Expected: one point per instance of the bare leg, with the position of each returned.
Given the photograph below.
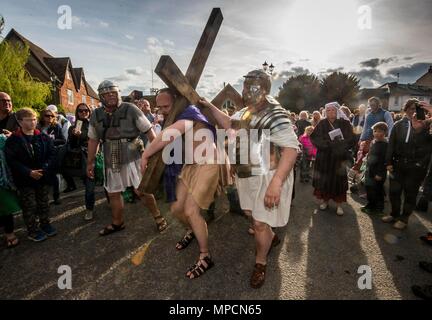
(116, 202)
(248, 214)
(263, 240)
(150, 203)
(177, 207)
(199, 228)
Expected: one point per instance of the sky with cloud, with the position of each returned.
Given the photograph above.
(122, 40)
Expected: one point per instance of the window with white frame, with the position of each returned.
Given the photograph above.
(70, 96)
(84, 99)
(68, 75)
(396, 101)
(92, 101)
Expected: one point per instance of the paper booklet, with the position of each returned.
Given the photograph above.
(336, 134)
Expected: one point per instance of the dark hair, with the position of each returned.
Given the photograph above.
(80, 105)
(380, 126)
(169, 91)
(409, 103)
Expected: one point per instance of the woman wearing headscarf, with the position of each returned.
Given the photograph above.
(333, 137)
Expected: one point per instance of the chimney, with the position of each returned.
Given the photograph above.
(225, 84)
(430, 69)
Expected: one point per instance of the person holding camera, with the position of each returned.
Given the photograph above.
(408, 155)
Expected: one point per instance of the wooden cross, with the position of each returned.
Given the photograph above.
(186, 84)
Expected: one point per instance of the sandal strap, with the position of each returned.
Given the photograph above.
(186, 240)
(198, 269)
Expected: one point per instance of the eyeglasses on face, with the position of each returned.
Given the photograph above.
(83, 110)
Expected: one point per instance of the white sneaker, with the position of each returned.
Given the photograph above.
(323, 206)
(88, 215)
(339, 211)
(387, 219)
(400, 225)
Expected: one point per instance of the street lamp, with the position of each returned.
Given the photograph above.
(268, 68)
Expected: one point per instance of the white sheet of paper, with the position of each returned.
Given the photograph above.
(336, 133)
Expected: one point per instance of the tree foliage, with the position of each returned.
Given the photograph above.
(307, 92)
(301, 92)
(341, 87)
(16, 81)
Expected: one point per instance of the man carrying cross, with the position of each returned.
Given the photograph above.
(117, 125)
(265, 186)
(190, 184)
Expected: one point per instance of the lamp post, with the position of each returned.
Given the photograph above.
(268, 68)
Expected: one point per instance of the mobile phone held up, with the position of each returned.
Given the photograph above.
(420, 112)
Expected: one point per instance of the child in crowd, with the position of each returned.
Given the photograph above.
(31, 158)
(376, 172)
(308, 156)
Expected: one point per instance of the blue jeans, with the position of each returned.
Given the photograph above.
(89, 193)
(88, 183)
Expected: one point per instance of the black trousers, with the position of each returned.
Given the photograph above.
(375, 195)
(7, 222)
(407, 180)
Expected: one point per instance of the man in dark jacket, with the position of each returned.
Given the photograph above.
(408, 154)
(8, 121)
(31, 158)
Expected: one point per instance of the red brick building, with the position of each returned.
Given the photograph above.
(71, 87)
(228, 97)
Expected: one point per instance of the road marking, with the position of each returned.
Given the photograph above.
(67, 214)
(141, 250)
(74, 232)
(41, 290)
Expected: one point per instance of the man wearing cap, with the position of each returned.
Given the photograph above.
(117, 125)
(265, 181)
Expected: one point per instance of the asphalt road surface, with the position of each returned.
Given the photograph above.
(319, 256)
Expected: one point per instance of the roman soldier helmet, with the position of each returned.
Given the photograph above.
(108, 86)
(256, 87)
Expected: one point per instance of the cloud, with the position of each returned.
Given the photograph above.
(331, 70)
(128, 36)
(137, 71)
(289, 63)
(375, 62)
(103, 24)
(372, 77)
(120, 78)
(410, 73)
(154, 47)
(292, 72)
(169, 43)
(79, 21)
